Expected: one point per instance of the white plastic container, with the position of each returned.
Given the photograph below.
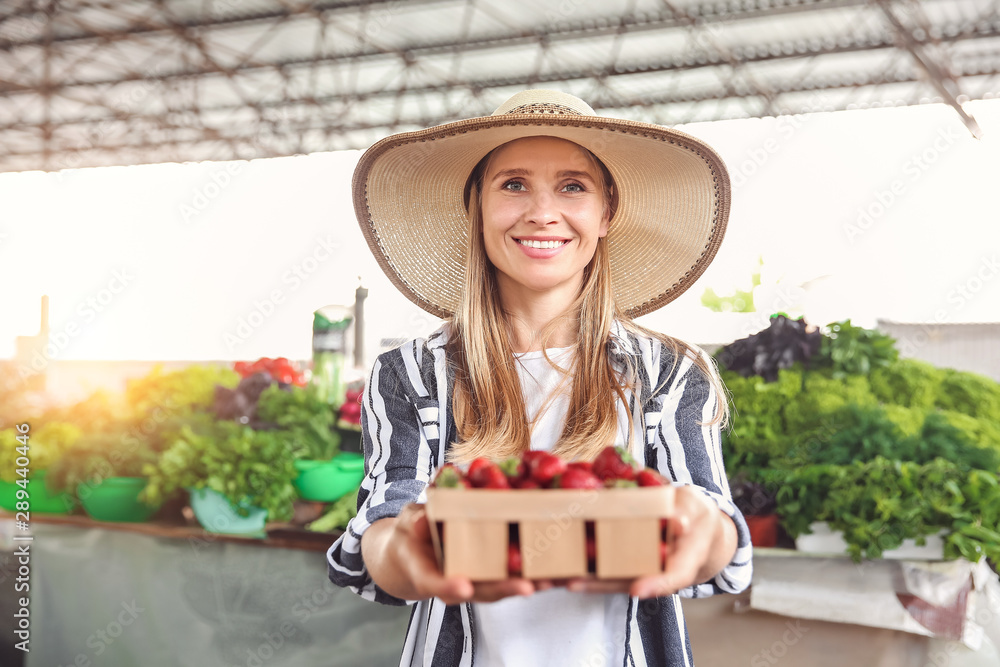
(824, 540)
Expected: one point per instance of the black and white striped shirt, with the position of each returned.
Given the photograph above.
(407, 410)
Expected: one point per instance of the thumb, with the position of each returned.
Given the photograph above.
(421, 526)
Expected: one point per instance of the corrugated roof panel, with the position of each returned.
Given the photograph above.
(188, 67)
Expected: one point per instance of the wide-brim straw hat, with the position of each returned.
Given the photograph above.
(673, 199)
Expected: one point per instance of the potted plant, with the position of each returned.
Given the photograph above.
(758, 505)
(105, 471)
(238, 477)
(40, 448)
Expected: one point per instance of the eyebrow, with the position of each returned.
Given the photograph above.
(520, 172)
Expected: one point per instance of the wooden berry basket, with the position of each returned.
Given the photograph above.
(552, 528)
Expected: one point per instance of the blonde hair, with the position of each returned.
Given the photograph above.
(488, 406)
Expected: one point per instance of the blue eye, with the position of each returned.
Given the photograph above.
(514, 186)
(574, 187)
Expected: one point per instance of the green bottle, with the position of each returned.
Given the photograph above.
(329, 343)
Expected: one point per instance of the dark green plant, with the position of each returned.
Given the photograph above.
(858, 434)
(852, 350)
(974, 530)
(879, 503)
(803, 492)
(983, 431)
(864, 433)
(301, 416)
(940, 438)
(233, 459)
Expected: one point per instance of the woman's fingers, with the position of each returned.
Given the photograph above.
(589, 585)
(491, 591)
(422, 567)
(416, 556)
(689, 548)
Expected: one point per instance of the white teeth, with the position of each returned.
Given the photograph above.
(541, 244)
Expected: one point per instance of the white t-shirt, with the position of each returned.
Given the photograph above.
(580, 628)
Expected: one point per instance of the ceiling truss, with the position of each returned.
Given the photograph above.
(102, 82)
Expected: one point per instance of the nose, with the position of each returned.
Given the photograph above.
(542, 209)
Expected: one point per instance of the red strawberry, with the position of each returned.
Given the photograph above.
(526, 483)
(544, 467)
(620, 484)
(532, 454)
(450, 477)
(576, 478)
(614, 463)
(476, 465)
(513, 559)
(487, 475)
(582, 465)
(649, 477)
(515, 470)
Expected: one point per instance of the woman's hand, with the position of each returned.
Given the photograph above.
(399, 555)
(702, 542)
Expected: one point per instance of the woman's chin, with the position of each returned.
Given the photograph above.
(544, 286)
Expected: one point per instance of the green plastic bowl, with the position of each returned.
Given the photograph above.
(217, 515)
(326, 481)
(39, 498)
(115, 499)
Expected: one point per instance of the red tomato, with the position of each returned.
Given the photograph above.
(351, 412)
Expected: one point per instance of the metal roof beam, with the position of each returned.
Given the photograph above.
(788, 50)
(937, 75)
(320, 123)
(751, 53)
(597, 27)
(235, 20)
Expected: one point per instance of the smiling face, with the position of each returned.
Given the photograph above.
(543, 210)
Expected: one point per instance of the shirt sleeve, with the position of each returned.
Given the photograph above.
(688, 450)
(397, 466)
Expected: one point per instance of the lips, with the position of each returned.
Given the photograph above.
(542, 244)
(542, 248)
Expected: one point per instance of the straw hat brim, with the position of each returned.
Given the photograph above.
(673, 203)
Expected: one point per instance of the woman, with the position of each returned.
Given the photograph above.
(538, 233)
